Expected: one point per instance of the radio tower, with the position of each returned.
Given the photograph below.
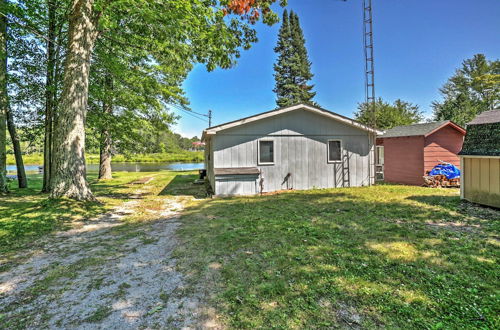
(369, 61)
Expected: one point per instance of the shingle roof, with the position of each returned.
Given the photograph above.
(492, 116)
(483, 135)
(414, 130)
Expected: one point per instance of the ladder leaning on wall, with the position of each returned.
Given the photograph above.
(346, 181)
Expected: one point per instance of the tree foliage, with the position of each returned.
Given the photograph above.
(474, 88)
(292, 70)
(124, 65)
(389, 115)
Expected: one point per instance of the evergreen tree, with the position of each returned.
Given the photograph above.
(293, 68)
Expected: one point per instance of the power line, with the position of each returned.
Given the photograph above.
(189, 112)
(200, 114)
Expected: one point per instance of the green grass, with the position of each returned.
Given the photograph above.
(385, 256)
(26, 214)
(99, 314)
(182, 156)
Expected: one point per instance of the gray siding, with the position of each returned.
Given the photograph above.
(236, 185)
(300, 148)
(209, 162)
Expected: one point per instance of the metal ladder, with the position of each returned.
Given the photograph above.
(346, 181)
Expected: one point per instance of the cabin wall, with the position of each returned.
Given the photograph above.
(404, 160)
(300, 148)
(443, 145)
(481, 180)
(209, 162)
(236, 185)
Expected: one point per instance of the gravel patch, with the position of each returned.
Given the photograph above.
(98, 276)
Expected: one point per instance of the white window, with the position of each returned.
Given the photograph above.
(334, 151)
(379, 156)
(266, 152)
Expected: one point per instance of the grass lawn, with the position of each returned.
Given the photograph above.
(26, 214)
(385, 256)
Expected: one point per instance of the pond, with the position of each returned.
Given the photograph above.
(126, 167)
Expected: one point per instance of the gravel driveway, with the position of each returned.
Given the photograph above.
(103, 275)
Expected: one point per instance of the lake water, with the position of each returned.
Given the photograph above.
(126, 167)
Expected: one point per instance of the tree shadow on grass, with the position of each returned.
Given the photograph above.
(450, 203)
(26, 218)
(455, 204)
(301, 259)
(183, 185)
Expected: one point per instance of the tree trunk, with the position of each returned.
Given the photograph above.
(49, 97)
(105, 156)
(68, 161)
(105, 145)
(21, 174)
(4, 103)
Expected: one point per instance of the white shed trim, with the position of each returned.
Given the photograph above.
(323, 112)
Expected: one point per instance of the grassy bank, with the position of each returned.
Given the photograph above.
(185, 156)
(385, 256)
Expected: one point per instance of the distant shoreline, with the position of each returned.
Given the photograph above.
(184, 156)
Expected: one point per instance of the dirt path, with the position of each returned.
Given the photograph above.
(103, 275)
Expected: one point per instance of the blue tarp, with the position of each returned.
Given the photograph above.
(448, 170)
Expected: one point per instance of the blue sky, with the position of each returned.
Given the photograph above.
(418, 45)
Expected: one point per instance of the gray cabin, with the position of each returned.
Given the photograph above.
(298, 147)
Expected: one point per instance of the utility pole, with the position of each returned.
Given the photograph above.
(209, 118)
(369, 60)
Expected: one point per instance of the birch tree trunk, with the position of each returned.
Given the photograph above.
(21, 174)
(4, 103)
(68, 161)
(49, 97)
(105, 145)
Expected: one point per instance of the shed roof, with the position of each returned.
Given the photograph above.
(424, 129)
(214, 129)
(483, 135)
(492, 116)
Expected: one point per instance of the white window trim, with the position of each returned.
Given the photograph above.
(378, 163)
(258, 152)
(328, 151)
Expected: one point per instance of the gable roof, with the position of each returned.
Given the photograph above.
(214, 129)
(424, 129)
(492, 116)
(483, 135)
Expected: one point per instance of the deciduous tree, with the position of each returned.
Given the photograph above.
(4, 103)
(195, 31)
(389, 115)
(474, 88)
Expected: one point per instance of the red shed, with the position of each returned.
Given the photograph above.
(407, 152)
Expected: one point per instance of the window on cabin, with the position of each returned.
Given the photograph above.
(379, 156)
(334, 151)
(266, 152)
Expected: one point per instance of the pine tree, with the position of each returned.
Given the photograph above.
(293, 68)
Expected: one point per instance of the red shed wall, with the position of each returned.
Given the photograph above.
(443, 145)
(404, 160)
